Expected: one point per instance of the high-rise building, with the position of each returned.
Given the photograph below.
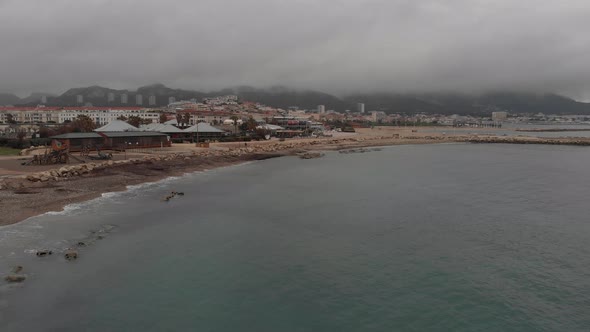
(124, 98)
(139, 99)
(111, 97)
(321, 109)
(360, 107)
(43, 99)
(152, 100)
(79, 99)
(171, 100)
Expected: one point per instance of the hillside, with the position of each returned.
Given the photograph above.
(283, 97)
(8, 99)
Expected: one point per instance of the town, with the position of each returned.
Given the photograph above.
(229, 118)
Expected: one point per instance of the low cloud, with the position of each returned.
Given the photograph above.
(338, 46)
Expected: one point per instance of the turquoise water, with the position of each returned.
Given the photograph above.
(450, 237)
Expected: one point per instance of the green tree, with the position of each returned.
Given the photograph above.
(163, 118)
(251, 124)
(134, 120)
(186, 119)
(122, 118)
(10, 118)
(235, 119)
(82, 123)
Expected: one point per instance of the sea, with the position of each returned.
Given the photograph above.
(445, 237)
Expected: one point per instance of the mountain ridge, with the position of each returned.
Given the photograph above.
(284, 97)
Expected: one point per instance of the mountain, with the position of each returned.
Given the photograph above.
(8, 99)
(163, 93)
(283, 97)
(482, 105)
(35, 98)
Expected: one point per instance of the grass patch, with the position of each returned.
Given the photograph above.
(4, 151)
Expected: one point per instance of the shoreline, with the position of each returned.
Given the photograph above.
(23, 197)
(54, 197)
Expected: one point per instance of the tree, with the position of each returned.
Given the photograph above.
(45, 132)
(134, 120)
(122, 118)
(234, 118)
(186, 119)
(82, 123)
(163, 118)
(10, 118)
(251, 124)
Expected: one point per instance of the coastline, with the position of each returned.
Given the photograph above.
(21, 198)
(30, 199)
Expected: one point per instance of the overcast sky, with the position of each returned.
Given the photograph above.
(338, 46)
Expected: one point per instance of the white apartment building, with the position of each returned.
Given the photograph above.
(57, 115)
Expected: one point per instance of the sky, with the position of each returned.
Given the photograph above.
(336, 46)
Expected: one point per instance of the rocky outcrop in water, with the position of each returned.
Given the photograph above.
(16, 276)
(311, 155)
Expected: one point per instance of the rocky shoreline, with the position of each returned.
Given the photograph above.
(22, 197)
(36, 193)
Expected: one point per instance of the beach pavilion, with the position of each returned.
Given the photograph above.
(116, 126)
(203, 132)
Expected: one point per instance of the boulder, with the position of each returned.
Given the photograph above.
(43, 253)
(71, 254)
(15, 277)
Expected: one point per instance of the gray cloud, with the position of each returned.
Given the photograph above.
(339, 46)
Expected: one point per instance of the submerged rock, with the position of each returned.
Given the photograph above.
(43, 253)
(71, 254)
(15, 278)
(311, 155)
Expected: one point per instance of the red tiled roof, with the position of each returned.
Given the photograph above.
(17, 108)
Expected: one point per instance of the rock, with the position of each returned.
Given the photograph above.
(311, 155)
(43, 253)
(17, 269)
(71, 254)
(15, 278)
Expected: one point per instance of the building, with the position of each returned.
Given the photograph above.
(114, 140)
(196, 116)
(360, 107)
(105, 115)
(152, 100)
(111, 97)
(203, 132)
(499, 116)
(376, 116)
(79, 99)
(171, 100)
(116, 126)
(321, 109)
(138, 99)
(222, 100)
(124, 98)
(43, 99)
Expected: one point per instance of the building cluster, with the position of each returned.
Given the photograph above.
(58, 115)
(222, 100)
(225, 111)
